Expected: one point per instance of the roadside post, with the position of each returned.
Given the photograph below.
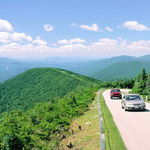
(102, 138)
(100, 115)
(146, 98)
(101, 125)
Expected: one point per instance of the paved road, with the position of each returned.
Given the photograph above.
(134, 126)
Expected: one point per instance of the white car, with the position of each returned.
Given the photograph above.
(133, 102)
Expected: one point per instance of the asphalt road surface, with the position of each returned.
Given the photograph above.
(134, 126)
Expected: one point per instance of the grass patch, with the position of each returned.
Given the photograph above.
(88, 138)
(113, 140)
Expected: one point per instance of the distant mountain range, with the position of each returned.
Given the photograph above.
(103, 69)
(122, 70)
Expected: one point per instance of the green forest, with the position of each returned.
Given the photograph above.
(38, 127)
(37, 106)
(39, 85)
(142, 83)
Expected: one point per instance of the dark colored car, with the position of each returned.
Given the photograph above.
(115, 93)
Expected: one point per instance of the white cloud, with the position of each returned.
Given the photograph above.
(21, 37)
(107, 28)
(54, 44)
(39, 41)
(134, 25)
(122, 44)
(75, 40)
(103, 47)
(119, 38)
(48, 27)
(139, 45)
(106, 43)
(6, 37)
(73, 24)
(29, 50)
(5, 26)
(71, 48)
(64, 41)
(94, 27)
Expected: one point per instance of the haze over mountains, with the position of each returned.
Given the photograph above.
(107, 69)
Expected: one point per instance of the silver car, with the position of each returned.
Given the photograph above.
(132, 102)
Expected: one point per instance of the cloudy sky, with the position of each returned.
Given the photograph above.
(86, 28)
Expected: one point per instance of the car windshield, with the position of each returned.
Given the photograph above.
(115, 90)
(133, 97)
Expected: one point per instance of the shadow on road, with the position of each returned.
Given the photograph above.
(146, 110)
(116, 99)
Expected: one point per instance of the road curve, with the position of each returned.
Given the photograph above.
(134, 126)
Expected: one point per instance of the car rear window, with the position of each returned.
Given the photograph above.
(115, 90)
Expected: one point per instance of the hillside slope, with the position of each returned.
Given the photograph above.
(122, 70)
(39, 85)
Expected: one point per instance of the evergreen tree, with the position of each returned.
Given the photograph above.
(144, 75)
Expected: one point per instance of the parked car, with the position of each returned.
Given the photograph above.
(133, 102)
(115, 93)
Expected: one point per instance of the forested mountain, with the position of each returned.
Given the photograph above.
(11, 67)
(145, 58)
(39, 106)
(5, 60)
(39, 85)
(122, 70)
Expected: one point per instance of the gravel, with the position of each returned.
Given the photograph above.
(134, 126)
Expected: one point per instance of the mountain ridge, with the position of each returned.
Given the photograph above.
(122, 70)
(39, 85)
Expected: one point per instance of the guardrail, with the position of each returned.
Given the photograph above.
(102, 136)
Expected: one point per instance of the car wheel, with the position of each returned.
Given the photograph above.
(120, 97)
(125, 109)
(111, 97)
(122, 107)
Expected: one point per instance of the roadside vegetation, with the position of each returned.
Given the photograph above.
(142, 84)
(46, 124)
(88, 136)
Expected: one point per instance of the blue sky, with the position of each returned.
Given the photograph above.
(85, 28)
